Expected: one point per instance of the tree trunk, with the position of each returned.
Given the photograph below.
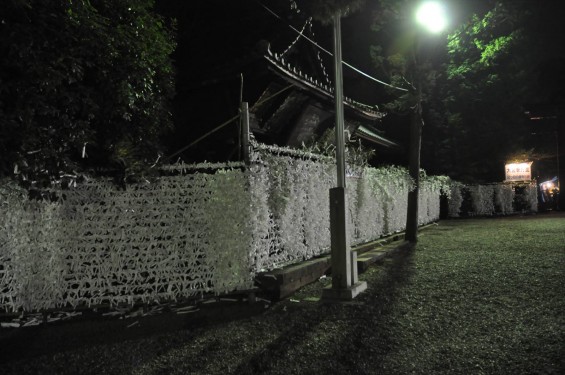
(414, 170)
(415, 144)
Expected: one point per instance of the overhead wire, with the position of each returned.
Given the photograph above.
(225, 123)
(328, 52)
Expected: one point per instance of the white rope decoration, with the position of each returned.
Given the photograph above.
(187, 234)
(308, 23)
(491, 199)
(104, 245)
(319, 55)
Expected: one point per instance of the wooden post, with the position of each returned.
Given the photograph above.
(245, 132)
(341, 258)
(354, 269)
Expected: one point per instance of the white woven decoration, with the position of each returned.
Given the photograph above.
(428, 202)
(482, 197)
(531, 196)
(503, 198)
(455, 199)
(486, 200)
(181, 236)
(291, 208)
(190, 233)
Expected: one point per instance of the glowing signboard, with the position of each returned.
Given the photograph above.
(519, 171)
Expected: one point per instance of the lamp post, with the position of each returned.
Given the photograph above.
(345, 284)
(431, 16)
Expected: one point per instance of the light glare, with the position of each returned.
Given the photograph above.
(432, 16)
(548, 185)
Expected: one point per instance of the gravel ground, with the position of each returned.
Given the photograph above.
(481, 296)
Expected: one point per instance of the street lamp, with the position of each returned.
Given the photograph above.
(431, 15)
(345, 284)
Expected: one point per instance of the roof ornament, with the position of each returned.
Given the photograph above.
(319, 56)
(308, 23)
(298, 37)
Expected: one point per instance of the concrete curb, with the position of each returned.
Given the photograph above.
(283, 282)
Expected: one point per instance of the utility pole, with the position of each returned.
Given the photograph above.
(345, 284)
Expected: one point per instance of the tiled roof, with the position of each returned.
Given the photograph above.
(370, 135)
(310, 83)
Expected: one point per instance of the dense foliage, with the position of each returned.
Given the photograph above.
(485, 90)
(83, 84)
(478, 80)
(501, 65)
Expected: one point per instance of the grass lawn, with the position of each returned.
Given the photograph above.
(480, 296)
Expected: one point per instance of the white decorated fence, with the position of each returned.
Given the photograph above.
(187, 233)
(492, 199)
(106, 245)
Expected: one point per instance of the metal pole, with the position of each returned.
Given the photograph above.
(557, 150)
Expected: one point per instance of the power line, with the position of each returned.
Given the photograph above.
(328, 52)
(225, 123)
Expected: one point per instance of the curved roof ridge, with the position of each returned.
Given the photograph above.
(309, 82)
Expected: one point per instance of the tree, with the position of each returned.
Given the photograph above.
(498, 65)
(324, 10)
(83, 84)
(487, 84)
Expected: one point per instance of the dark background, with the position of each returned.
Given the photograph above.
(219, 40)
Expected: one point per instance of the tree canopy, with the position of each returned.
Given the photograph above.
(83, 84)
(484, 92)
(324, 10)
(496, 72)
(477, 83)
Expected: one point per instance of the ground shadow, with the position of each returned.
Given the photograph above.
(362, 316)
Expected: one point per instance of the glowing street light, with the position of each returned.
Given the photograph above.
(432, 16)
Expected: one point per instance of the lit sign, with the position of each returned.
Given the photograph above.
(519, 171)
